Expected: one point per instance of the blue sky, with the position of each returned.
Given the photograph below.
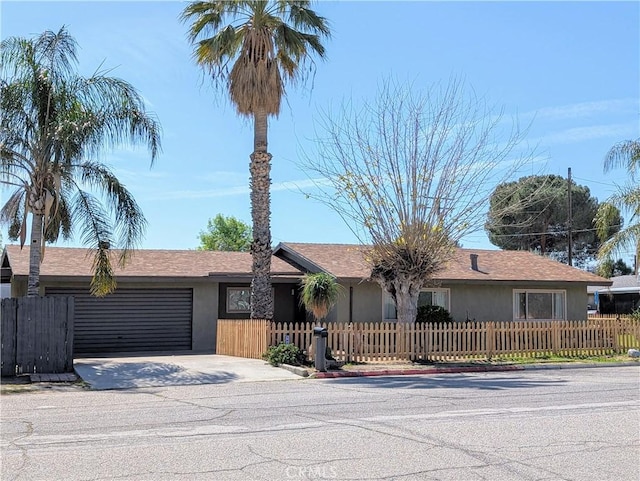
(572, 69)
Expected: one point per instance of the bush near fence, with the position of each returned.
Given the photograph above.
(390, 341)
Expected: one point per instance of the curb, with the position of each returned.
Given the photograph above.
(413, 372)
(578, 365)
(300, 371)
(455, 370)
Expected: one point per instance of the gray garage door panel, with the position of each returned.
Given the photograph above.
(131, 320)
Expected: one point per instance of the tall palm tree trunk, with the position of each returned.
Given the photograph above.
(35, 256)
(260, 168)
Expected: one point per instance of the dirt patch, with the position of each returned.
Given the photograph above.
(23, 384)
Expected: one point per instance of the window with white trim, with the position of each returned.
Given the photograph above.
(538, 304)
(427, 297)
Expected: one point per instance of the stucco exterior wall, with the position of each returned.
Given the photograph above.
(494, 302)
(366, 303)
(482, 302)
(204, 311)
(286, 307)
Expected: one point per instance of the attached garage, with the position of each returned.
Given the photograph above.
(130, 320)
(165, 300)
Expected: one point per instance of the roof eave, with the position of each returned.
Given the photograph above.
(287, 254)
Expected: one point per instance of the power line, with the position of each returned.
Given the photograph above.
(595, 181)
(558, 232)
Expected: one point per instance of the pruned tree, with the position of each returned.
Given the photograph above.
(542, 224)
(225, 234)
(411, 173)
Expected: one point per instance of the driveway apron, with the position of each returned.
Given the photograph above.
(133, 371)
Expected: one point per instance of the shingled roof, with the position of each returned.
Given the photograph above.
(72, 262)
(347, 261)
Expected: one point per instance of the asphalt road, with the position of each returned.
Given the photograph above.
(573, 424)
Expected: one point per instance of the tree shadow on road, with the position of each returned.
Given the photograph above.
(122, 375)
(449, 381)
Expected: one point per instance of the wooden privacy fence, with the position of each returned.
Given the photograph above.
(37, 335)
(383, 342)
(242, 338)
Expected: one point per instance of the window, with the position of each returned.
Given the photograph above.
(539, 305)
(427, 297)
(238, 299)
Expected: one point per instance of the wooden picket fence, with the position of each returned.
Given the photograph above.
(388, 341)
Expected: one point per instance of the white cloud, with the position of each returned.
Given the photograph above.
(224, 177)
(290, 185)
(585, 109)
(138, 174)
(580, 134)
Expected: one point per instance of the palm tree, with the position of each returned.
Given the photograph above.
(265, 44)
(625, 155)
(54, 124)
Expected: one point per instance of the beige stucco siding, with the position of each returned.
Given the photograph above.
(482, 302)
(366, 299)
(494, 302)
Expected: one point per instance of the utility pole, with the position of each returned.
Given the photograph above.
(570, 222)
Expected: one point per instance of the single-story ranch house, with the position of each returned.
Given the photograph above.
(622, 297)
(171, 300)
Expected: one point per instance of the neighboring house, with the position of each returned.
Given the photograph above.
(171, 300)
(485, 285)
(622, 297)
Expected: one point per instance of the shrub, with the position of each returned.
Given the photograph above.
(284, 354)
(432, 314)
(319, 293)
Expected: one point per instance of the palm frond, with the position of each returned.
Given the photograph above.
(302, 17)
(61, 222)
(12, 208)
(265, 41)
(95, 227)
(103, 281)
(626, 239)
(57, 51)
(624, 155)
(129, 222)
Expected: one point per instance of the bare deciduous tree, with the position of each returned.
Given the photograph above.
(411, 174)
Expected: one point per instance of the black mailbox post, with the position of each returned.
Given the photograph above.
(321, 334)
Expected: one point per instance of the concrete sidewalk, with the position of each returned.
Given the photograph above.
(174, 370)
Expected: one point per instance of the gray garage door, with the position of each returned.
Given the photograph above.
(130, 320)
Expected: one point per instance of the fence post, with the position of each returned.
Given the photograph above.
(490, 339)
(9, 336)
(616, 335)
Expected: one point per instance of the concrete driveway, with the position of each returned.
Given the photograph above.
(143, 370)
